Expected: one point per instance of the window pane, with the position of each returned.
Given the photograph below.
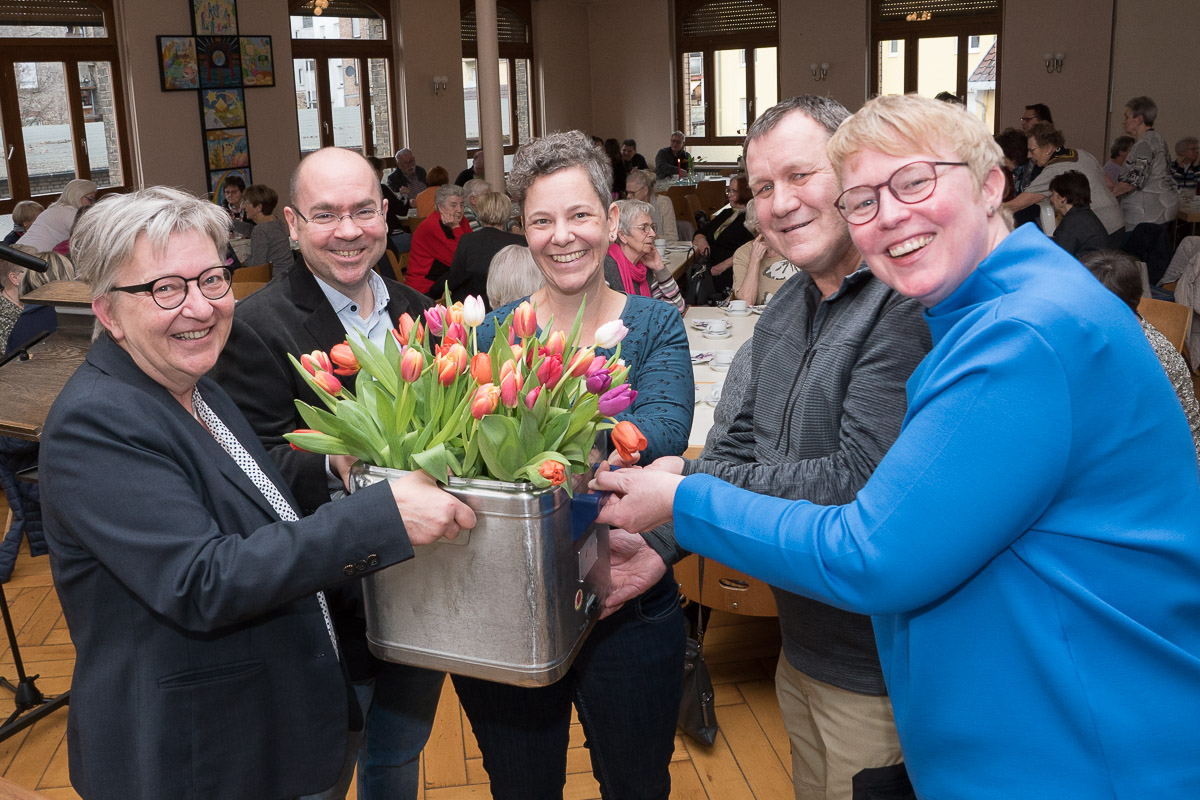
(694, 91)
(524, 89)
(59, 31)
(981, 79)
(891, 67)
(766, 79)
(307, 114)
(5, 186)
(470, 73)
(100, 123)
(345, 98)
(326, 27)
(729, 78)
(505, 105)
(937, 65)
(381, 115)
(46, 125)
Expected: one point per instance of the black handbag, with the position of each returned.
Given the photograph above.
(700, 289)
(697, 709)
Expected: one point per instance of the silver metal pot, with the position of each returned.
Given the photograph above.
(511, 600)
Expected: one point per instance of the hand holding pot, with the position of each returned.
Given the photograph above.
(642, 499)
(427, 511)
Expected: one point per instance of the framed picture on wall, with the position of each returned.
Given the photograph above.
(223, 108)
(177, 68)
(258, 65)
(227, 149)
(216, 182)
(214, 17)
(219, 60)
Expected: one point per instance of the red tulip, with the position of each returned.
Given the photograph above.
(627, 439)
(532, 396)
(553, 471)
(481, 368)
(411, 364)
(550, 371)
(487, 397)
(301, 430)
(327, 382)
(343, 358)
(316, 361)
(510, 389)
(525, 320)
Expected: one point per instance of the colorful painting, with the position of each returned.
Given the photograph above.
(216, 182)
(223, 108)
(227, 148)
(258, 66)
(219, 60)
(214, 17)
(177, 63)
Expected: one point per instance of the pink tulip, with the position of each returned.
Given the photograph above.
(525, 320)
(510, 389)
(481, 368)
(532, 396)
(435, 319)
(455, 332)
(343, 358)
(614, 401)
(327, 382)
(411, 364)
(550, 371)
(599, 364)
(316, 361)
(487, 397)
(509, 368)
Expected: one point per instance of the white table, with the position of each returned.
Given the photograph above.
(741, 328)
(241, 247)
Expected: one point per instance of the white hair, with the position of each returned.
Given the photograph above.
(512, 275)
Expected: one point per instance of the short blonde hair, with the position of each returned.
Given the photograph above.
(26, 211)
(900, 125)
(493, 208)
(74, 192)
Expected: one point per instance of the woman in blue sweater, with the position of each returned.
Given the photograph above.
(625, 682)
(1029, 548)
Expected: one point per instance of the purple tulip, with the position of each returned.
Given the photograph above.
(599, 382)
(614, 401)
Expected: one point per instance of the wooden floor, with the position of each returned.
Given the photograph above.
(749, 761)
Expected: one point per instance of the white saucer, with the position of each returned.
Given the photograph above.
(733, 313)
(711, 335)
(718, 367)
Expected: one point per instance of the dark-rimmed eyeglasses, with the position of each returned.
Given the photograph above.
(327, 219)
(910, 184)
(170, 291)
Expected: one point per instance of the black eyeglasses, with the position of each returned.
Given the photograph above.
(910, 184)
(170, 291)
(327, 219)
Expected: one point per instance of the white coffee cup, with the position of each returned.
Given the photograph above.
(660, 243)
(738, 306)
(723, 358)
(717, 326)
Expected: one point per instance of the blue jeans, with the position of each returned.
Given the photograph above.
(625, 683)
(399, 705)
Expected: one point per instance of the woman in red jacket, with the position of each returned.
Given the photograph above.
(436, 239)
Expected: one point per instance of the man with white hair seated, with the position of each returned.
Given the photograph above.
(407, 180)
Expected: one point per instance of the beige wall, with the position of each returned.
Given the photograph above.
(817, 31)
(631, 87)
(561, 35)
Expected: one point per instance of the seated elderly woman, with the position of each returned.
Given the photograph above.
(725, 233)
(758, 270)
(426, 201)
(639, 185)
(1080, 230)
(270, 242)
(633, 265)
(51, 228)
(191, 589)
(1047, 149)
(476, 188)
(469, 270)
(626, 680)
(1013, 537)
(1121, 275)
(513, 275)
(436, 239)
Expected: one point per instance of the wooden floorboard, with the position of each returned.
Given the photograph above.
(750, 760)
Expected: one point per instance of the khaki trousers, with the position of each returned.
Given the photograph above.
(834, 734)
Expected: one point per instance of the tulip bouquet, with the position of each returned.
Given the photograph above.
(526, 409)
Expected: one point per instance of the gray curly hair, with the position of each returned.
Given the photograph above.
(558, 151)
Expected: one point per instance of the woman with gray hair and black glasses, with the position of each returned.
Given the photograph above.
(436, 239)
(633, 265)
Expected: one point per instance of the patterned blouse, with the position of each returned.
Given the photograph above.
(660, 371)
(1181, 377)
(9, 312)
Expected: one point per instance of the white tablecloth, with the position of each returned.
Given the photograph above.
(741, 328)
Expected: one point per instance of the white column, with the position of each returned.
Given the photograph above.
(489, 93)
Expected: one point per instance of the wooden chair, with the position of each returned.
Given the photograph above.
(399, 264)
(725, 589)
(1173, 320)
(245, 288)
(260, 273)
(678, 195)
(712, 196)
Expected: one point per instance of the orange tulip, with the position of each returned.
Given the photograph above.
(525, 320)
(627, 440)
(556, 345)
(411, 364)
(455, 313)
(581, 363)
(487, 397)
(343, 359)
(403, 328)
(553, 471)
(447, 369)
(481, 368)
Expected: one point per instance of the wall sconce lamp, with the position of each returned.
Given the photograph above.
(1054, 61)
(819, 71)
(440, 84)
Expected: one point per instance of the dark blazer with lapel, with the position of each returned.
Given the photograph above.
(289, 315)
(203, 665)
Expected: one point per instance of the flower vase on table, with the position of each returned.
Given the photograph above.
(506, 430)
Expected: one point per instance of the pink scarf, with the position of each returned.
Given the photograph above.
(633, 276)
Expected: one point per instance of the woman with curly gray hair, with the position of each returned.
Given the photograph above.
(626, 680)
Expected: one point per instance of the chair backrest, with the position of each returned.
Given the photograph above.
(1171, 319)
(694, 206)
(246, 288)
(712, 196)
(678, 195)
(260, 273)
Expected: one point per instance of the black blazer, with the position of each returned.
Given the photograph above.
(472, 258)
(203, 665)
(731, 238)
(289, 315)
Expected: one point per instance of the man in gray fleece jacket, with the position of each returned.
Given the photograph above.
(829, 360)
